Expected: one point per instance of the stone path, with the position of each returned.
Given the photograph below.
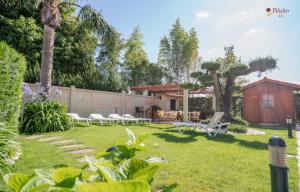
(298, 149)
(68, 145)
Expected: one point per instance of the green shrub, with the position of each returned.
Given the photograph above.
(116, 170)
(9, 149)
(237, 128)
(43, 117)
(11, 72)
(240, 121)
(12, 68)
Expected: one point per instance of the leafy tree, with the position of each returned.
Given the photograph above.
(178, 53)
(25, 35)
(223, 73)
(135, 58)
(108, 63)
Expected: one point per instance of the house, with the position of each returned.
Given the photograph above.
(269, 101)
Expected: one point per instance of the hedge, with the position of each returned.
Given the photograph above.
(12, 71)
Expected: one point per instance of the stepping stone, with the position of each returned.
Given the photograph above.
(50, 139)
(81, 151)
(34, 137)
(290, 156)
(70, 146)
(62, 142)
(83, 160)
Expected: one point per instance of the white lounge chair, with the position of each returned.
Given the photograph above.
(213, 128)
(77, 118)
(137, 119)
(118, 118)
(101, 119)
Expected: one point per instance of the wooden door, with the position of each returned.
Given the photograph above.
(267, 107)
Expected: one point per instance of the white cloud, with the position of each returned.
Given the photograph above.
(251, 31)
(202, 14)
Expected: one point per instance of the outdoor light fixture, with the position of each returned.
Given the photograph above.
(289, 123)
(278, 164)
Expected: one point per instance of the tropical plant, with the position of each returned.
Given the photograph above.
(12, 71)
(223, 73)
(43, 117)
(118, 170)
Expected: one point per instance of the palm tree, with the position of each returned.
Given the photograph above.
(50, 17)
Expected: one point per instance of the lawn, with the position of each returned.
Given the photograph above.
(196, 162)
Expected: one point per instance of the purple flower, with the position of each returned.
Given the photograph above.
(26, 90)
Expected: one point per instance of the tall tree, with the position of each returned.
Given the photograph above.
(223, 73)
(135, 59)
(108, 63)
(178, 53)
(164, 58)
(50, 18)
(190, 53)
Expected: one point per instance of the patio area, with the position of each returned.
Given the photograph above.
(196, 162)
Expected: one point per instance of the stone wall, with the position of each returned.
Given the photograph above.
(85, 102)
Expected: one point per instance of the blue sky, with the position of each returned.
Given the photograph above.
(243, 24)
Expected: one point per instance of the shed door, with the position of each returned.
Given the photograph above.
(267, 108)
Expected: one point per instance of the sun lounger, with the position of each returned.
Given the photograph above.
(77, 118)
(101, 119)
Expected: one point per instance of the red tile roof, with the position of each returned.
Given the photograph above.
(266, 80)
(172, 89)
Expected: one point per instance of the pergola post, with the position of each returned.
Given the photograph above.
(186, 105)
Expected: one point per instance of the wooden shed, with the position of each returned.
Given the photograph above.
(268, 101)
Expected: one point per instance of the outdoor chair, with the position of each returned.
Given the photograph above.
(213, 128)
(138, 120)
(77, 118)
(101, 119)
(118, 118)
(169, 116)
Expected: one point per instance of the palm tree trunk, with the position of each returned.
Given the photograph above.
(47, 59)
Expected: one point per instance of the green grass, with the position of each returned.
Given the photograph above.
(196, 162)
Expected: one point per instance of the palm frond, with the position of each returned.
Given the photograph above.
(94, 20)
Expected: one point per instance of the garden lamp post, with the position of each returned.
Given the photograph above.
(289, 123)
(278, 165)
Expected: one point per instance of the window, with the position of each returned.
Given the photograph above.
(268, 101)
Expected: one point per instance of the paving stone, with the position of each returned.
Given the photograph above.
(50, 139)
(70, 146)
(290, 156)
(81, 151)
(82, 159)
(34, 137)
(63, 142)
(298, 134)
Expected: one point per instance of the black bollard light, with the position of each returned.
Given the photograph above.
(278, 165)
(289, 123)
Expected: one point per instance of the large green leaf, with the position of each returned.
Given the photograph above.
(15, 181)
(130, 167)
(66, 176)
(41, 188)
(146, 174)
(105, 169)
(125, 186)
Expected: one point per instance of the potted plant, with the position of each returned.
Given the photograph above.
(155, 109)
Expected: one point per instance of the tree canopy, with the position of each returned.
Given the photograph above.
(223, 74)
(178, 53)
